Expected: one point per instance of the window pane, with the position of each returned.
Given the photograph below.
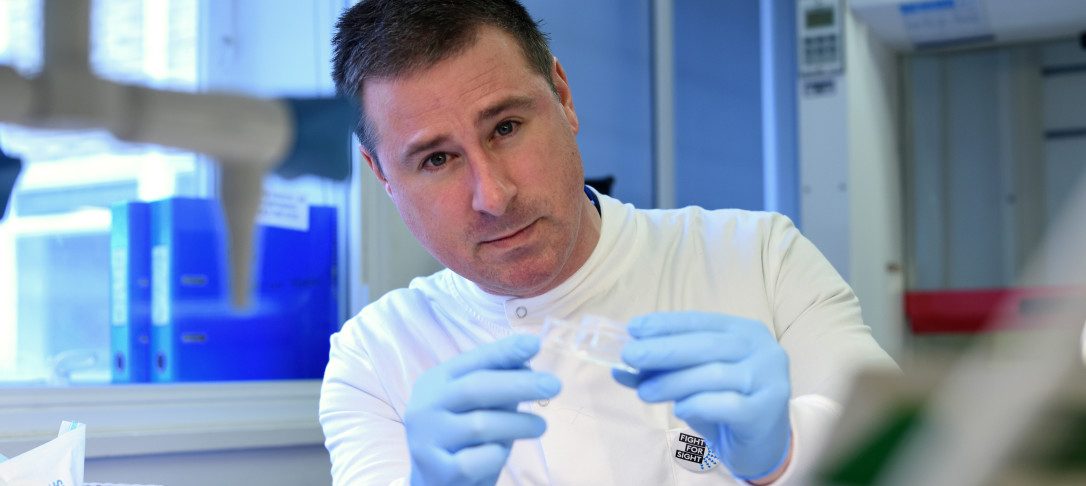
(55, 312)
(54, 240)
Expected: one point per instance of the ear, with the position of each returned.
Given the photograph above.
(375, 166)
(565, 95)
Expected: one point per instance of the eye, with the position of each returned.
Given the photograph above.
(505, 128)
(437, 159)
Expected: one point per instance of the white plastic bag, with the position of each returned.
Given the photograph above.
(58, 462)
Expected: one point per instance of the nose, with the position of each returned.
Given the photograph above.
(493, 190)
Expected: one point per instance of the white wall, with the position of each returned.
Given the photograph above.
(875, 183)
(850, 182)
(389, 255)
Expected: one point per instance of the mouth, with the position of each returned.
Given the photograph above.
(511, 239)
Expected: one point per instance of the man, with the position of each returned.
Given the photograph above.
(742, 332)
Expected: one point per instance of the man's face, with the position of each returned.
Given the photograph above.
(480, 159)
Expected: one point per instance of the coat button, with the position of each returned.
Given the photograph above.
(521, 312)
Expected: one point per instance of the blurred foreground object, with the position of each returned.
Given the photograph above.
(1016, 417)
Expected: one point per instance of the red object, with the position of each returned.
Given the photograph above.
(982, 310)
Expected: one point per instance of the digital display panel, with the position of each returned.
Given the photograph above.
(819, 17)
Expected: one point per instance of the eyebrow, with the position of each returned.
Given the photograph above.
(498, 108)
(502, 106)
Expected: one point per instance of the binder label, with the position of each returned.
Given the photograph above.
(160, 285)
(284, 209)
(119, 274)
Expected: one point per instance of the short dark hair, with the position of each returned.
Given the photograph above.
(388, 38)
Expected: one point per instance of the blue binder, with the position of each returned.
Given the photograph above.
(197, 336)
(130, 292)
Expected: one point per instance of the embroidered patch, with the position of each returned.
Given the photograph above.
(691, 452)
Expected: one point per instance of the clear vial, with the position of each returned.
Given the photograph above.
(594, 339)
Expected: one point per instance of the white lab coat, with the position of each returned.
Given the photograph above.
(749, 264)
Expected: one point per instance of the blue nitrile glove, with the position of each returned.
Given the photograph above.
(462, 418)
(728, 378)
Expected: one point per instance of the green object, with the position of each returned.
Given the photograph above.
(1059, 443)
(866, 463)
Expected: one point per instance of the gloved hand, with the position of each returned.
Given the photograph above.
(462, 417)
(728, 378)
